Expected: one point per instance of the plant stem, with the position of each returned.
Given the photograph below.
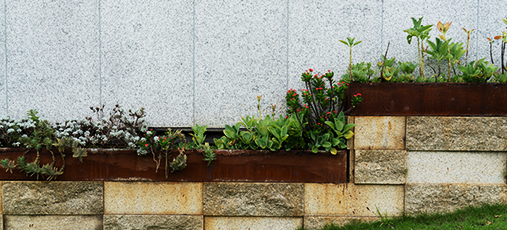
(384, 63)
(350, 63)
(419, 52)
(503, 52)
(491, 52)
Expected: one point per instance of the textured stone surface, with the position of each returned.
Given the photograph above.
(386, 133)
(317, 222)
(316, 28)
(240, 53)
(172, 222)
(3, 92)
(53, 57)
(431, 198)
(456, 167)
(147, 58)
(353, 200)
(252, 223)
(380, 166)
(457, 133)
(53, 222)
(152, 198)
(53, 198)
(397, 15)
(490, 25)
(253, 199)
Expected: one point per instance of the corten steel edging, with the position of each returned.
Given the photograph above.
(237, 165)
(429, 99)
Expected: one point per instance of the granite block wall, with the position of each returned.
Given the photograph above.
(202, 61)
(399, 165)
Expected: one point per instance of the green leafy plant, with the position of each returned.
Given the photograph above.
(477, 71)
(350, 43)
(468, 32)
(360, 72)
(209, 154)
(384, 219)
(421, 33)
(164, 145)
(439, 51)
(322, 100)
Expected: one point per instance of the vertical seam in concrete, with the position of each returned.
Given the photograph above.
(381, 30)
(477, 37)
(287, 78)
(5, 46)
(100, 58)
(193, 62)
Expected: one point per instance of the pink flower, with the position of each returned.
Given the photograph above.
(146, 145)
(311, 70)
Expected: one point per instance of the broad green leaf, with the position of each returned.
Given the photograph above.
(348, 134)
(326, 144)
(315, 149)
(339, 125)
(333, 151)
(330, 124)
(348, 127)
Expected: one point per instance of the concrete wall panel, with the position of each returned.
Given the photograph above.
(315, 28)
(53, 58)
(241, 53)
(147, 58)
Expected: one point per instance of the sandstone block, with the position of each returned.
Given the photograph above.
(152, 198)
(252, 223)
(170, 222)
(57, 197)
(353, 200)
(385, 133)
(380, 166)
(53, 222)
(253, 199)
(457, 133)
(317, 222)
(456, 167)
(432, 198)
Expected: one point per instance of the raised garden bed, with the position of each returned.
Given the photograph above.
(430, 99)
(230, 165)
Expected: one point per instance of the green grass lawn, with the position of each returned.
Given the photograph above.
(484, 217)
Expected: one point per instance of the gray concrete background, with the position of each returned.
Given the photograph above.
(204, 61)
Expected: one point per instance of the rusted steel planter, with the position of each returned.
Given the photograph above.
(435, 99)
(235, 165)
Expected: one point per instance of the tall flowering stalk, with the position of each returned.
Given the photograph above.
(321, 101)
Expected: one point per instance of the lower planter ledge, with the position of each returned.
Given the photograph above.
(230, 165)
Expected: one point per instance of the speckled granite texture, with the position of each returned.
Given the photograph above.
(62, 198)
(431, 198)
(380, 166)
(169, 222)
(457, 133)
(57, 222)
(253, 199)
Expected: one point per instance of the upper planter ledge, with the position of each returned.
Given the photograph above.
(430, 99)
